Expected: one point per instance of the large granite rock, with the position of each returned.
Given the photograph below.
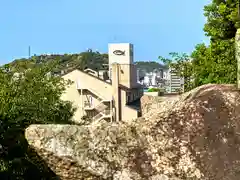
(192, 136)
(152, 103)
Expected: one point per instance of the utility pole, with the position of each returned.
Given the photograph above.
(29, 52)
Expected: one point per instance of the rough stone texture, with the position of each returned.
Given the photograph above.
(152, 103)
(192, 136)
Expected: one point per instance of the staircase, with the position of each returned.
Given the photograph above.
(78, 86)
(102, 112)
(97, 94)
(99, 116)
(100, 107)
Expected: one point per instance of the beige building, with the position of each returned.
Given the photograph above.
(113, 99)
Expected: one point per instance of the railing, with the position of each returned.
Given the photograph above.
(100, 107)
(98, 116)
(78, 85)
(107, 112)
(96, 93)
(87, 104)
(95, 73)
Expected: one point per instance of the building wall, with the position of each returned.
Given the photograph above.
(126, 58)
(128, 113)
(100, 88)
(175, 81)
(133, 95)
(116, 92)
(74, 95)
(128, 71)
(128, 75)
(151, 93)
(122, 97)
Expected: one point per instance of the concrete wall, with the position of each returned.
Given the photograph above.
(116, 92)
(127, 71)
(74, 95)
(100, 88)
(128, 113)
(151, 93)
(126, 58)
(128, 75)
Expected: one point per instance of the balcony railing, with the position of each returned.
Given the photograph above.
(107, 112)
(102, 109)
(87, 104)
(97, 117)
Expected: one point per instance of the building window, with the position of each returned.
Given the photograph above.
(128, 97)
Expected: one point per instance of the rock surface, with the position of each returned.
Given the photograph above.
(192, 136)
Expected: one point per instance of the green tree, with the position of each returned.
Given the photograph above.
(92, 60)
(180, 63)
(215, 63)
(27, 98)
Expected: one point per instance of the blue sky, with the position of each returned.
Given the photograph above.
(155, 27)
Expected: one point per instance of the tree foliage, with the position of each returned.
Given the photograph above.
(29, 97)
(87, 59)
(180, 63)
(214, 63)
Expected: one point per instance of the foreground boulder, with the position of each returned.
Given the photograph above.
(192, 136)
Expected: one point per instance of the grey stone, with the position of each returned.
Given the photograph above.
(192, 136)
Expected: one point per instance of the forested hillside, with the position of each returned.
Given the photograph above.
(88, 59)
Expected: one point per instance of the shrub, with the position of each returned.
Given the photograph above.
(156, 90)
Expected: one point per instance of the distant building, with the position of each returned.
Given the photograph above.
(164, 78)
(175, 83)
